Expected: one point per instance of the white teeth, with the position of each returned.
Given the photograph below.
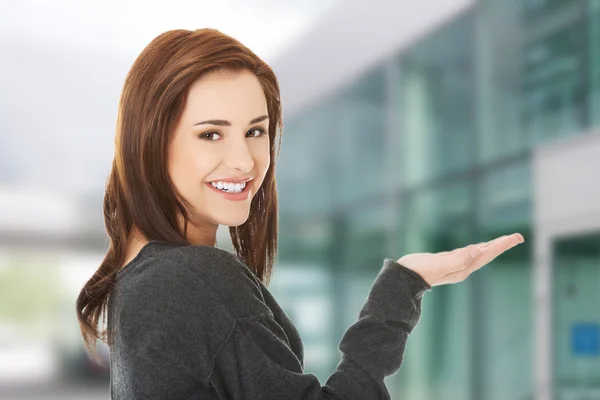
(229, 187)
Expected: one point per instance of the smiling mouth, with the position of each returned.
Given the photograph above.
(241, 188)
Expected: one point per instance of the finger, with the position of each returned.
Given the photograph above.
(500, 246)
(452, 252)
(462, 265)
(481, 245)
(467, 255)
(488, 243)
(473, 257)
(493, 250)
(480, 255)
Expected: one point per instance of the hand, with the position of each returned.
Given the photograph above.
(455, 266)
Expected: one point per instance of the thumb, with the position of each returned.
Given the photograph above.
(468, 254)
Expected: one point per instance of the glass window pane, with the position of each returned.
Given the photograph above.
(304, 175)
(506, 194)
(360, 130)
(434, 219)
(553, 68)
(504, 320)
(305, 239)
(436, 96)
(365, 235)
(532, 88)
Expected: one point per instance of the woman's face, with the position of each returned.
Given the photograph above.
(222, 137)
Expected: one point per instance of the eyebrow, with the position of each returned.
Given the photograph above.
(222, 122)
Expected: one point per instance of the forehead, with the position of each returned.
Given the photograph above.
(235, 96)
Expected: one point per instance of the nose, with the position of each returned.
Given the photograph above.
(239, 156)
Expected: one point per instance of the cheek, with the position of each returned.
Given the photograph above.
(178, 177)
(188, 170)
(263, 167)
(263, 159)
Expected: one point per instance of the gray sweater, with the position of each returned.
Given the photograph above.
(193, 322)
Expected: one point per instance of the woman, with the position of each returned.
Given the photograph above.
(195, 148)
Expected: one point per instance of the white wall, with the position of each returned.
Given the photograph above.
(566, 202)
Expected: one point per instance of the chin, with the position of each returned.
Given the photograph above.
(233, 222)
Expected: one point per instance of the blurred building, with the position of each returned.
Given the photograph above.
(424, 127)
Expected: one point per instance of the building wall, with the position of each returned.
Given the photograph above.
(429, 149)
(567, 267)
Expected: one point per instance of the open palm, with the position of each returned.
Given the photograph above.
(455, 266)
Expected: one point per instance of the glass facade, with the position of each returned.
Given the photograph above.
(429, 151)
(532, 72)
(436, 104)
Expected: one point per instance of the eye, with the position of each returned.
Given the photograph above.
(207, 136)
(258, 132)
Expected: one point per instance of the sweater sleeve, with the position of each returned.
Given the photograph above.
(251, 364)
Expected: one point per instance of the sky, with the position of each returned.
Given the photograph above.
(125, 27)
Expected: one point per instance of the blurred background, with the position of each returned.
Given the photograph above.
(408, 127)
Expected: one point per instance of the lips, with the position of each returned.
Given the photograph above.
(232, 180)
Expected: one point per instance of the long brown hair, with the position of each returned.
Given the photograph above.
(139, 193)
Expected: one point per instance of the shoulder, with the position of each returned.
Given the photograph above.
(198, 275)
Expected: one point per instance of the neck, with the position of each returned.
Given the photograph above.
(205, 235)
